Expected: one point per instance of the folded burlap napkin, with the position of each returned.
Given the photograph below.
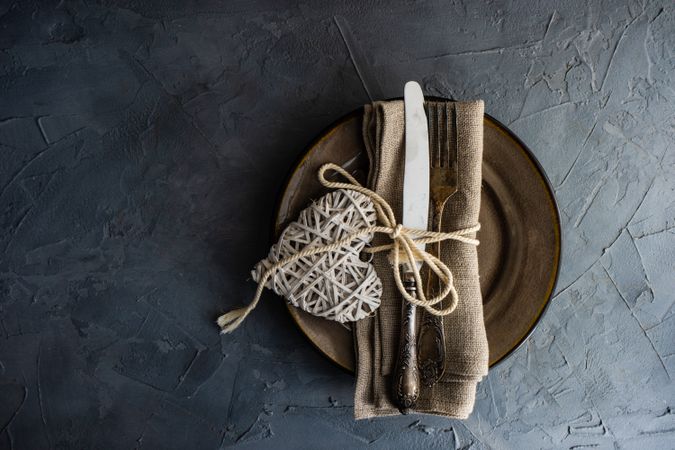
(377, 338)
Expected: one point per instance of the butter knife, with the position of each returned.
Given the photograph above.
(415, 215)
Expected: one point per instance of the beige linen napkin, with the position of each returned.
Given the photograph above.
(376, 339)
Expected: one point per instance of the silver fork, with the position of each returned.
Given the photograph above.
(443, 184)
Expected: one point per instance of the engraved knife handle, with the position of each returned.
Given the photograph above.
(406, 381)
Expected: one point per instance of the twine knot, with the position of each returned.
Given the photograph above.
(404, 245)
(397, 231)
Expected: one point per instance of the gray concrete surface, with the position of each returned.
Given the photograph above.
(143, 145)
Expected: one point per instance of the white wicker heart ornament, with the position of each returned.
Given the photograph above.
(336, 285)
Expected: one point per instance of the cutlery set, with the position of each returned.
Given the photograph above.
(428, 175)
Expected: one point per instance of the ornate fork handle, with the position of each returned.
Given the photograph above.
(432, 334)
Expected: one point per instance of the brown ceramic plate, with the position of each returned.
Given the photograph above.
(520, 236)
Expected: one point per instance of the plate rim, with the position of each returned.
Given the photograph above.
(529, 156)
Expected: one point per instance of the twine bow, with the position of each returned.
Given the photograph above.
(404, 244)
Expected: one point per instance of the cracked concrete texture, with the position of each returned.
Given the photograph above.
(143, 146)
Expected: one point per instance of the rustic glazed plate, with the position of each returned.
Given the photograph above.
(519, 249)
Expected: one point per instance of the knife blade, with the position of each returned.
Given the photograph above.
(415, 215)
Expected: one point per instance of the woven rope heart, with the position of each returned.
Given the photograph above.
(336, 285)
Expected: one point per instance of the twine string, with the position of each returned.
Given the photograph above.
(403, 250)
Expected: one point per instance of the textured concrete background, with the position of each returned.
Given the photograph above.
(143, 146)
